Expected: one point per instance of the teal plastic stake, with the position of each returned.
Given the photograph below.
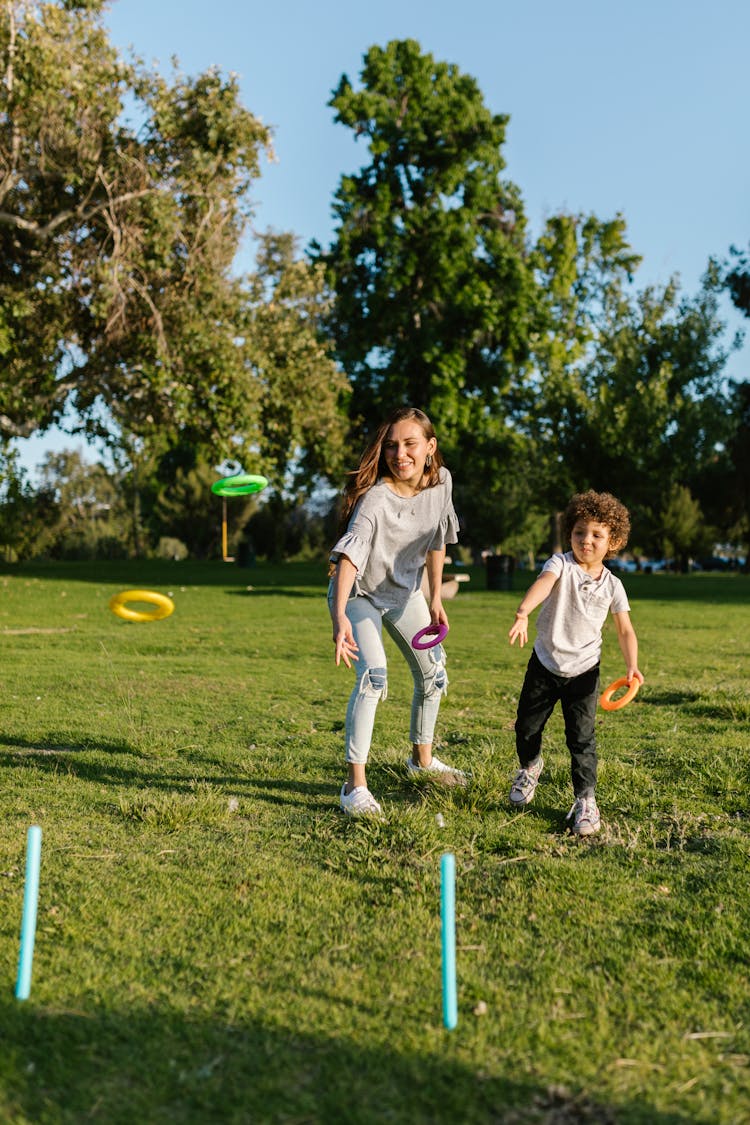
(448, 936)
(28, 922)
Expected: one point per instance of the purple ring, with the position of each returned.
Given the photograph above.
(437, 633)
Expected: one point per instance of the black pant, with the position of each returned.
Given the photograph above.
(578, 696)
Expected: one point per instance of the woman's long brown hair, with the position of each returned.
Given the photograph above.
(372, 463)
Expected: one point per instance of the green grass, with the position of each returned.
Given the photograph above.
(216, 942)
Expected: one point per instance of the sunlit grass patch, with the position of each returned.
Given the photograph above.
(204, 805)
(206, 906)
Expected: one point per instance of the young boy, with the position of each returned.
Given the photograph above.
(578, 591)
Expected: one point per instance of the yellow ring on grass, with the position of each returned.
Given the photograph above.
(164, 605)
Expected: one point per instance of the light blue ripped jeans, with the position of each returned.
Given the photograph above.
(427, 669)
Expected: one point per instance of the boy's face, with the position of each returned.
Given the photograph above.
(590, 541)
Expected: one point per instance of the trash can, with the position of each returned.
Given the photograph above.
(245, 553)
(500, 572)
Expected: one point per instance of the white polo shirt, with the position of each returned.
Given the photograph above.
(569, 626)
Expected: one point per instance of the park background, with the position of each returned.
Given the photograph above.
(610, 351)
(216, 942)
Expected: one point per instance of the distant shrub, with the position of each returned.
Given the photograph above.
(86, 544)
(170, 548)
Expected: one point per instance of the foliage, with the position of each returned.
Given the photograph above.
(735, 485)
(497, 487)
(169, 548)
(117, 239)
(287, 528)
(204, 905)
(581, 264)
(28, 515)
(300, 391)
(629, 386)
(92, 516)
(428, 261)
(544, 371)
(124, 197)
(683, 527)
(186, 509)
(724, 488)
(737, 278)
(739, 452)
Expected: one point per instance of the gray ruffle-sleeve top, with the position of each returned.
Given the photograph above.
(388, 538)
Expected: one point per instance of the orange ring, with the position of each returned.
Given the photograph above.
(608, 703)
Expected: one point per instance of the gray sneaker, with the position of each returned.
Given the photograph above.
(525, 782)
(586, 818)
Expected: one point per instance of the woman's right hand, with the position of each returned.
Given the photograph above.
(343, 638)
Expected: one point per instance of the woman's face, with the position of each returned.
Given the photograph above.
(405, 450)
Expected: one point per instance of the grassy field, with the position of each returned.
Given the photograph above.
(218, 943)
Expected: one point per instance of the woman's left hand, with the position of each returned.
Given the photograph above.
(438, 616)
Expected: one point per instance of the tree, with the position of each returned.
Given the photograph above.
(29, 516)
(188, 511)
(737, 278)
(731, 479)
(92, 517)
(630, 393)
(683, 528)
(117, 241)
(300, 392)
(428, 265)
(724, 489)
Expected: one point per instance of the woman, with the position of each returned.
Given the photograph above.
(398, 517)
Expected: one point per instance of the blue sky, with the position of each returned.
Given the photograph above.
(639, 107)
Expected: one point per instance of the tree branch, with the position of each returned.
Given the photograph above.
(81, 213)
(10, 175)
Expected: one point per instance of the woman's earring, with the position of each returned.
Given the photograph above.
(428, 461)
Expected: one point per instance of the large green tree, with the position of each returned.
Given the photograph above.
(300, 391)
(683, 527)
(629, 386)
(428, 261)
(123, 199)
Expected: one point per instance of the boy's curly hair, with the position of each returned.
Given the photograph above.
(599, 507)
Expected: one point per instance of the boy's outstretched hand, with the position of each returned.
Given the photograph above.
(520, 629)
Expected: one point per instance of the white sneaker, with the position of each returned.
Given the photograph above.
(449, 774)
(525, 782)
(587, 820)
(360, 802)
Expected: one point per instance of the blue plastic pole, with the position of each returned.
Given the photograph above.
(28, 922)
(448, 935)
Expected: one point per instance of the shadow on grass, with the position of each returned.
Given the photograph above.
(716, 589)
(310, 579)
(722, 706)
(667, 698)
(275, 591)
(140, 573)
(275, 790)
(155, 1065)
(51, 746)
